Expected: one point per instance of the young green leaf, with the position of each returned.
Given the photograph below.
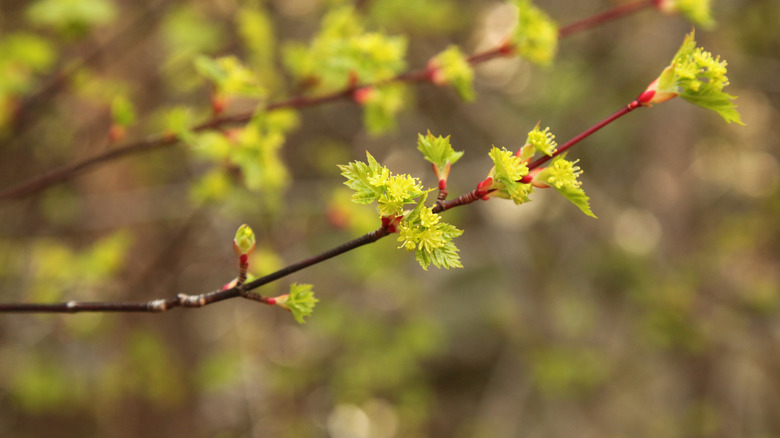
(359, 176)
(343, 51)
(698, 78)
(562, 175)
(230, 76)
(437, 150)
(451, 67)
(536, 35)
(299, 301)
(698, 11)
(373, 182)
(122, 111)
(179, 122)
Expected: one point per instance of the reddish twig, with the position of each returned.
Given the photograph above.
(578, 138)
(619, 11)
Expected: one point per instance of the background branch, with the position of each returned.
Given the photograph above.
(37, 184)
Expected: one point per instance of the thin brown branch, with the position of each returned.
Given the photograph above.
(200, 300)
(39, 183)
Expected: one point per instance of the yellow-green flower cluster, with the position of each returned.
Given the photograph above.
(542, 140)
(563, 174)
(698, 77)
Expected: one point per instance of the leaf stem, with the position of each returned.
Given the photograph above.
(581, 136)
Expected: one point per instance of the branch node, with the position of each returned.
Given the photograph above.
(191, 300)
(154, 306)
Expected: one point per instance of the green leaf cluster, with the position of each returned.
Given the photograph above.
(455, 70)
(230, 76)
(299, 301)
(438, 151)
(698, 11)
(698, 77)
(179, 121)
(72, 17)
(22, 56)
(343, 52)
(122, 111)
(253, 149)
(562, 175)
(423, 232)
(536, 35)
(507, 171)
(373, 182)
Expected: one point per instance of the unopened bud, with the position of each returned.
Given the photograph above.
(391, 223)
(532, 176)
(218, 103)
(116, 133)
(651, 95)
(434, 73)
(362, 95)
(244, 242)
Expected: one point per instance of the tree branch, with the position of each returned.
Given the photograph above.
(200, 300)
(42, 182)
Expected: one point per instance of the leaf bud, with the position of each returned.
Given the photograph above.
(244, 242)
(362, 95)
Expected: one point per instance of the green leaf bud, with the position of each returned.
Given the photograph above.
(244, 242)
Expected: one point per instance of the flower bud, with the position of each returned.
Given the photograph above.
(537, 182)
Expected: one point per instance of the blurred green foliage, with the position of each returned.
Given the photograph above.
(658, 319)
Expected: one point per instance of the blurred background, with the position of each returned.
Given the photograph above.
(659, 319)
